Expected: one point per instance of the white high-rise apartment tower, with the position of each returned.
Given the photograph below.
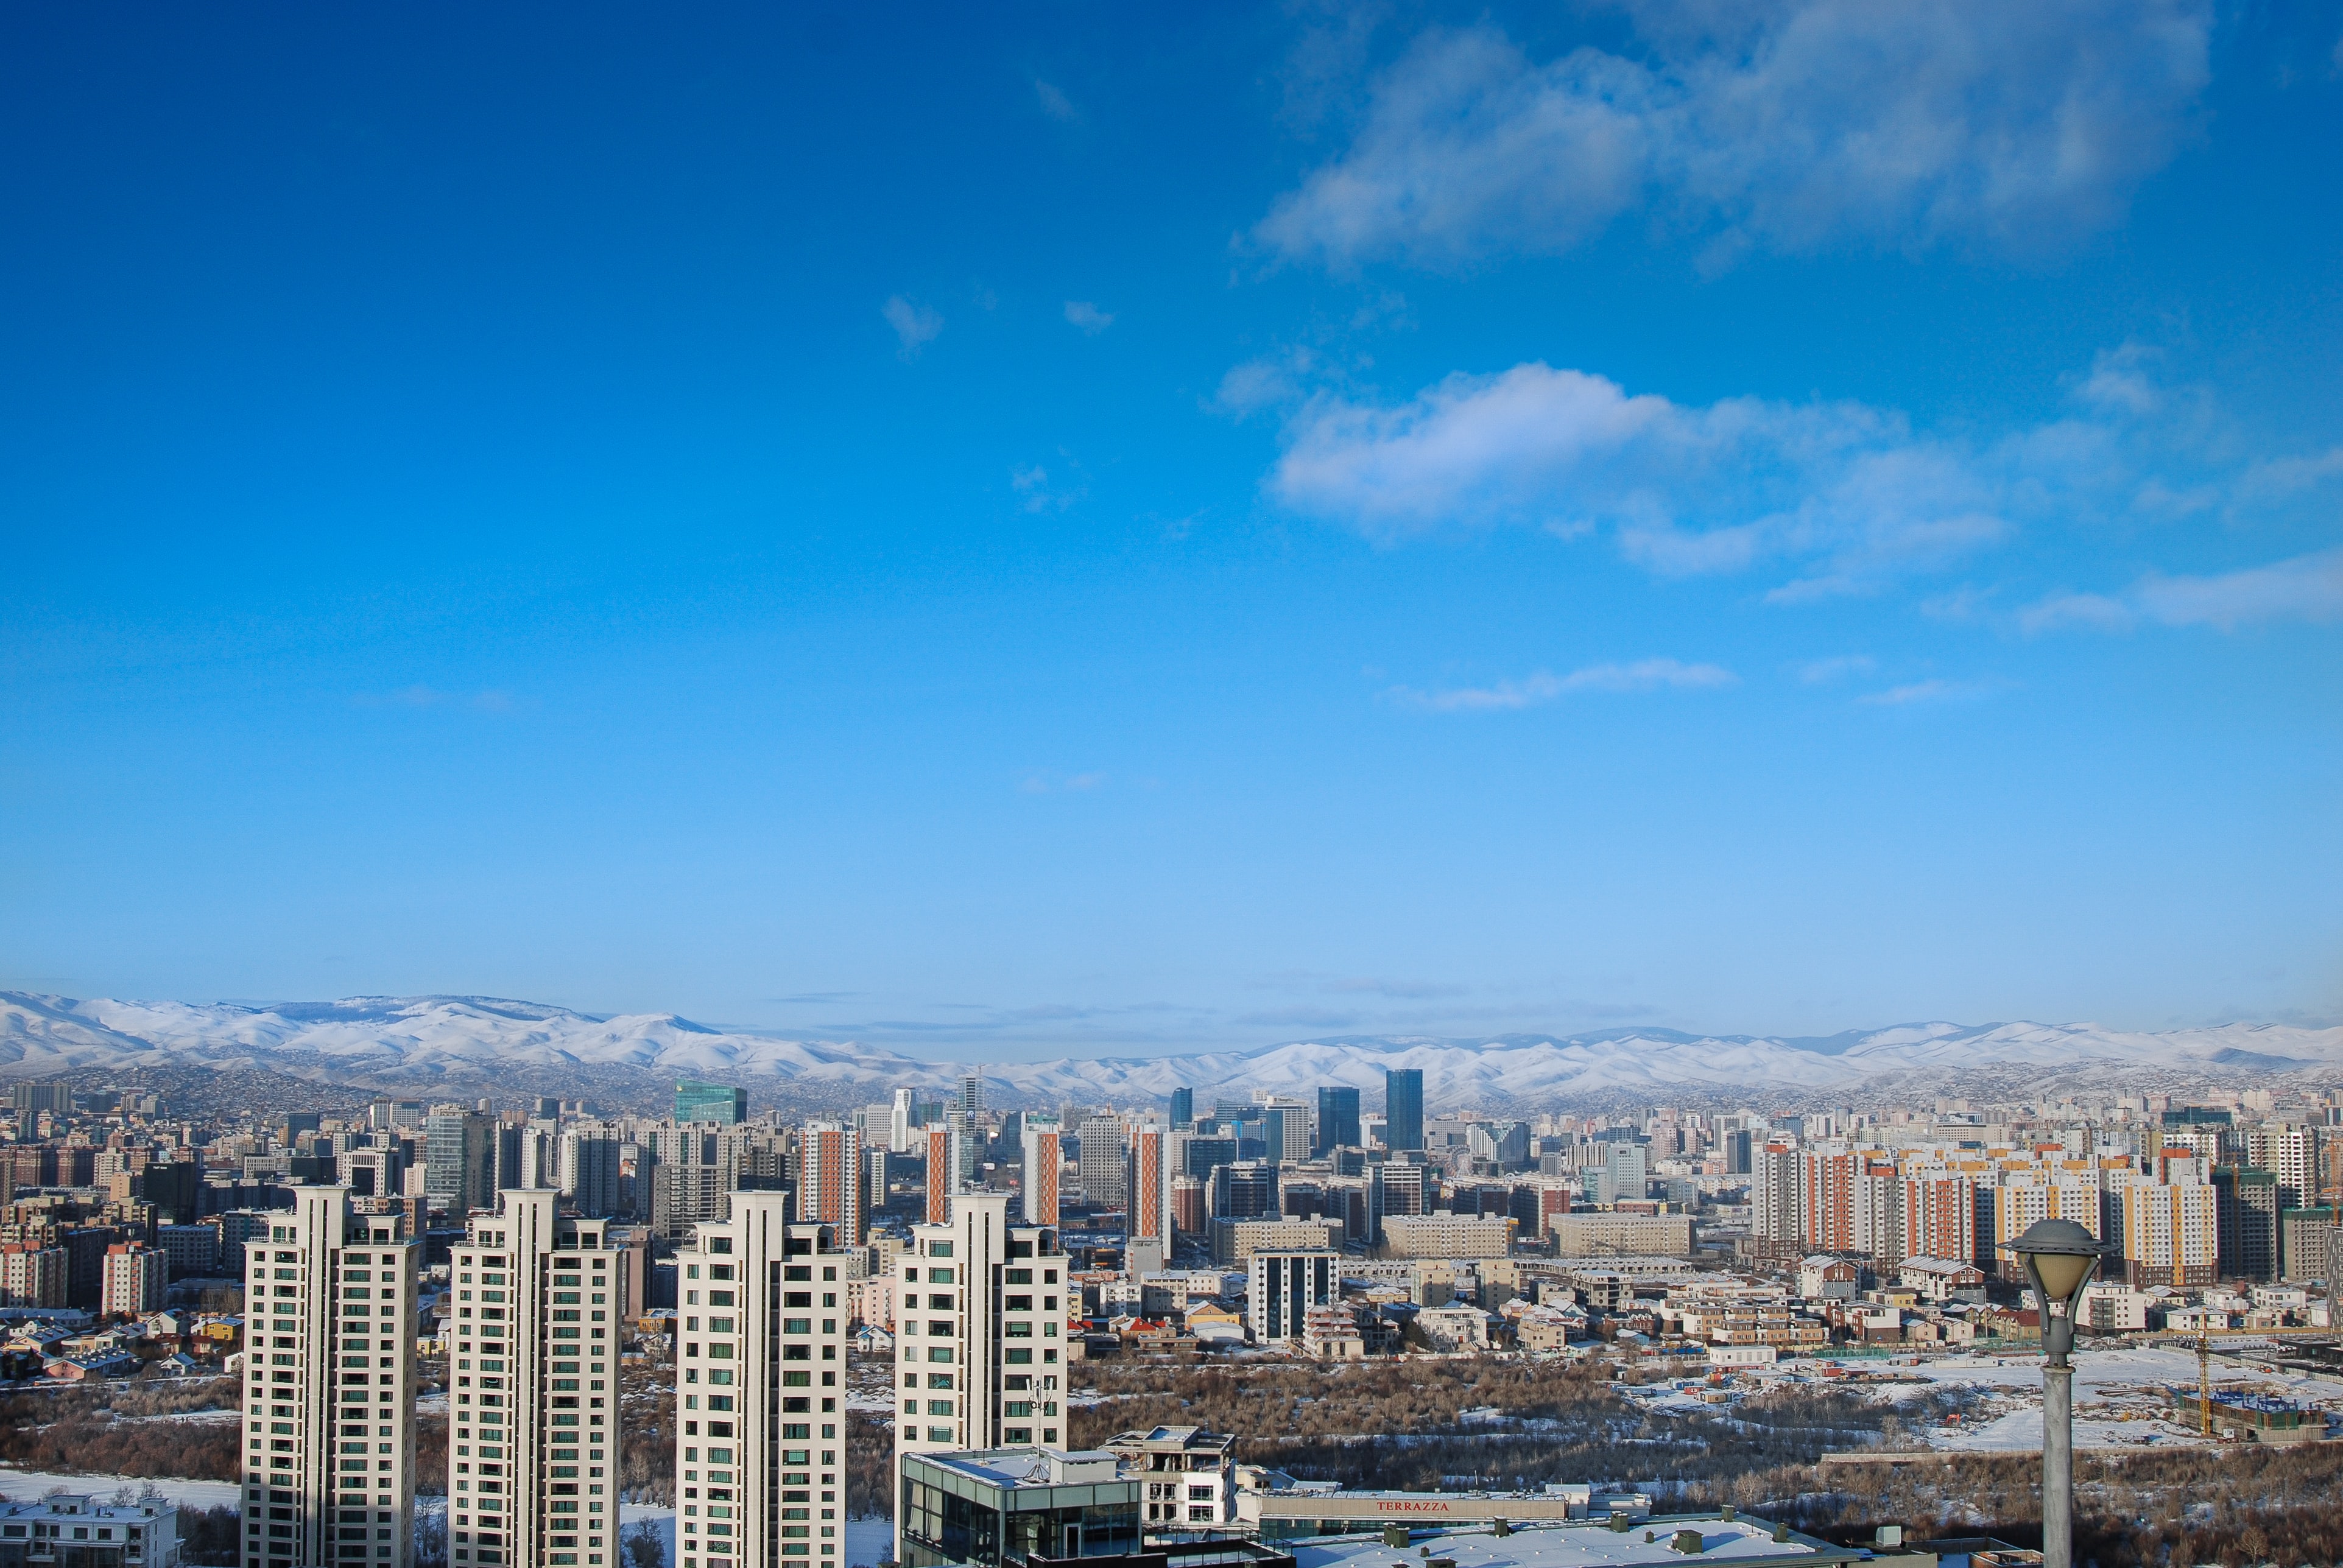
(759, 1462)
(980, 1317)
(329, 1387)
(533, 1429)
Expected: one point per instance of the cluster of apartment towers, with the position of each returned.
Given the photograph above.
(535, 1424)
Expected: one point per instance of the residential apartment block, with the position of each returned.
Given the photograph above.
(329, 1387)
(763, 1328)
(533, 1433)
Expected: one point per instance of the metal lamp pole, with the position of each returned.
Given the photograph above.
(2060, 1257)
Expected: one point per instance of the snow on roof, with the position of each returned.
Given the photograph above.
(1580, 1545)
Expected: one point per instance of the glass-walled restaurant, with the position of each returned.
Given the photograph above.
(1001, 1506)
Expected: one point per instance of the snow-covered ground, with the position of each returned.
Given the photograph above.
(32, 1485)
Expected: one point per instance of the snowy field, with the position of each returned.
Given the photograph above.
(868, 1540)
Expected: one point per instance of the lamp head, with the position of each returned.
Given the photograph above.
(2060, 1257)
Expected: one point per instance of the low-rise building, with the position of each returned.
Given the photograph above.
(1827, 1279)
(1942, 1280)
(79, 1532)
(1451, 1329)
(997, 1507)
(1187, 1476)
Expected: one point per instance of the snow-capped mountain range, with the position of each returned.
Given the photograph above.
(414, 1043)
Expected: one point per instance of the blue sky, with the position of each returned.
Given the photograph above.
(1044, 529)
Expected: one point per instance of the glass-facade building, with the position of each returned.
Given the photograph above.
(998, 1507)
(1403, 1108)
(1338, 1119)
(712, 1102)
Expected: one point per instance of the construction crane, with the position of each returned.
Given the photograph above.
(2204, 1335)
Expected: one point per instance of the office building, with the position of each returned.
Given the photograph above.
(1281, 1287)
(903, 1130)
(712, 1102)
(459, 1160)
(329, 1387)
(761, 1374)
(1246, 1191)
(1105, 1165)
(1338, 1120)
(533, 1432)
(1403, 1108)
(971, 1095)
(1044, 1160)
(1184, 1111)
(831, 1179)
(978, 1324)
(1284, 1129)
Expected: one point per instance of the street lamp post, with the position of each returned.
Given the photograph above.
(2060, 1257)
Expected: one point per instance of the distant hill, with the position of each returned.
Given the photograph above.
(444, 1044)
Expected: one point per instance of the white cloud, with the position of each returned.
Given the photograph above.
(2303, 588)
(2014, 123)
(1643, 675)
(1928, 691)
(1849, 490)
(915, 325)
(1081, 313)
(1823, 671)
(1036, 494)
(1055, 103)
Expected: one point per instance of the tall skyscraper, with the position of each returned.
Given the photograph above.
(763, 1359)
(902, 1129)
(1285, 1128)
(971, 1095)
(1044, 1157)
(710, 1102)
(1403, 1108)
(590, 1172)
(943, 1171)
(533, 1436)
(1338, 1119)
(459, 1160)
(329, 1386)
(1183, 1109)
(1105, 1171)
(1150, 1213)
(830, 1178)
(979, 1343)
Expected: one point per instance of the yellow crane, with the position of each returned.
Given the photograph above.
(2204, 1335)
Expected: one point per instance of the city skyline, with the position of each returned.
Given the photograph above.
(1050, 534)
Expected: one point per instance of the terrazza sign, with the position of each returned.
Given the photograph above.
(1410, 1505)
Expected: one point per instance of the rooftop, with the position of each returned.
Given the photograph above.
(1009, 1469)
(1581, 1546)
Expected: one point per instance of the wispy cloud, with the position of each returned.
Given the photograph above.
(2304, 587)
(1055, 103)
(1056, 783)
(1038, 494)
(1823, 671)
(1685, 489)
(1081, 313)
(2012, 122)
(1846, 497)
(916, 325)
(1644, 675)
(1928, 691)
